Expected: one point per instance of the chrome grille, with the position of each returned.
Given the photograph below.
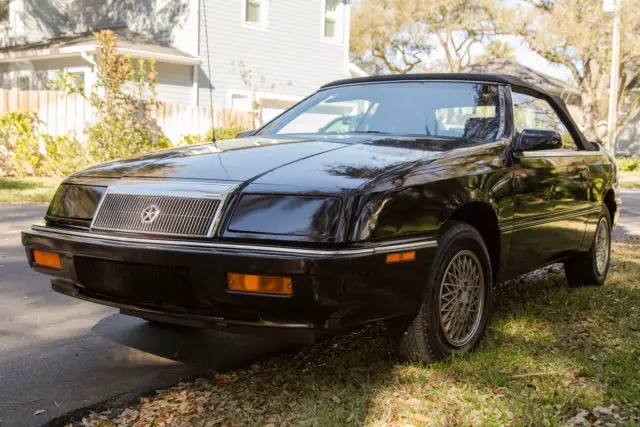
(179, 216)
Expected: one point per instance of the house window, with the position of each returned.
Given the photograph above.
(255, 13)
(23, 83)
(332, 22)
(77, 80)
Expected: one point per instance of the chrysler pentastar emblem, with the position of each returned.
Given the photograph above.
(149, 214)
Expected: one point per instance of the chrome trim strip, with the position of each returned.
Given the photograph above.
(174, 188)
(557, 153)
(560, 217)
(222, 207)
(381, 248)
(95, 213)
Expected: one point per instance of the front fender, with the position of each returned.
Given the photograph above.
(425, 197)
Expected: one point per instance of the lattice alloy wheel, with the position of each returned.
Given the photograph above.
(461, 298)
(602, 243)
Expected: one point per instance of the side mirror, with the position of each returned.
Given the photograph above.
(537, 139)
(246, 133)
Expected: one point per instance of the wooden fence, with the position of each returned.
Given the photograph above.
(60, 114)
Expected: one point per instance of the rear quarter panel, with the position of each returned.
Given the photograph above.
(602, 179)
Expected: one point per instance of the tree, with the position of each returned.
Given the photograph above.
(397, 36)
(497, 49)
(123, 97)
(577, 35)
(385, 39)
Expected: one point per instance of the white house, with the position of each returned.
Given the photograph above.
(277, 51)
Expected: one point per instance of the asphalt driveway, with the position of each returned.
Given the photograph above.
(58, 354)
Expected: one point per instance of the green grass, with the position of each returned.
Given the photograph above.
(629, 164)
(24, 190)
(550, 353)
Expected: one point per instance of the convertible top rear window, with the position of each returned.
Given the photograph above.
(451, 110)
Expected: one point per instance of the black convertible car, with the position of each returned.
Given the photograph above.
(398, 198)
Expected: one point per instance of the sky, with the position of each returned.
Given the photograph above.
(523, 54)
(527, 57)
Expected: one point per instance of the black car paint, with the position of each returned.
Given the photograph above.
(392, 189)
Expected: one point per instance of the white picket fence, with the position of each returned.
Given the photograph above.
(60, 114)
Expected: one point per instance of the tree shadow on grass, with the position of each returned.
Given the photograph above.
(549, 353)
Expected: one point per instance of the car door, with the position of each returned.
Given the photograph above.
(551, 190)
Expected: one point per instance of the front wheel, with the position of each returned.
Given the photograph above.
(455, 306)
(591, 268)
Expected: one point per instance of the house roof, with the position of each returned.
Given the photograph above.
(130, 42)
(550, 84)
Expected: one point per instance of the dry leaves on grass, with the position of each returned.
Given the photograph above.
(279, 391)
(600, 416)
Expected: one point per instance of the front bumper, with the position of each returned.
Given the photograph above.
(184, 282)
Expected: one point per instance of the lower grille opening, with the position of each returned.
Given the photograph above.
(156, 285)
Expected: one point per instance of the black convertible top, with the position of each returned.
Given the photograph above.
(473, 77)
(504, 79)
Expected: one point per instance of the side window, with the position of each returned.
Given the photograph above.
(530, 112)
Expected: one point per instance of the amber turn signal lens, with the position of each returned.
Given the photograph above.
(273, 285)
(46, 259)
(401, 257)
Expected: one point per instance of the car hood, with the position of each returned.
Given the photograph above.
(308, 163)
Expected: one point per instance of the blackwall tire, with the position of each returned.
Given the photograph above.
(455, 305)
(591, 268)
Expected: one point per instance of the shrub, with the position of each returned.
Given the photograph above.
(225, 133)
(19, 147)
(191, 140)
(25, 151)
(65, 155)
(629, 164)
(221, 134)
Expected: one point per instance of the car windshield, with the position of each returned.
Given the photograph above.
(450, 110)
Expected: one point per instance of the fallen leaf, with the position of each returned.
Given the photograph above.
(421, 418)
(39, 411)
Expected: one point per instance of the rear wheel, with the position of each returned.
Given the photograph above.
(591, 268)
(455, 306)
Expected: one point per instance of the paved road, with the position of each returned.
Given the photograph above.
(59, 354)
(629, 223)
